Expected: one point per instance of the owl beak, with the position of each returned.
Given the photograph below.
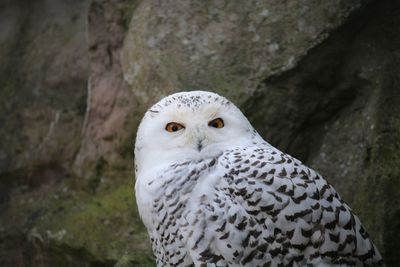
(200, 136)
(199, 145)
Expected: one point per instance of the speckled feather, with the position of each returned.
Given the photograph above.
(246, 205)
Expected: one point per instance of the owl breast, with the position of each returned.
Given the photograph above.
(248, 207)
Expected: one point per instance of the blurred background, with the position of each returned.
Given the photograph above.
(318, 79)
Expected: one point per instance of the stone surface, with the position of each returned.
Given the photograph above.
(43, 81)
(63, 226)
(133, 260)
(111, 119)
(61, 217)
(225, 46)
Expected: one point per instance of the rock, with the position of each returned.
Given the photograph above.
(43, 81)
(133, 260)
(111, 115)
(64, 217)
(224, 46)
(71, 227)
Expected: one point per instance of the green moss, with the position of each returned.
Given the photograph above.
(135, 260)
(9, 118)
(61, 254)
(8, 92)
(94, 180)
(7, 89)
(390, 176)
(106, 225)
(378, 198)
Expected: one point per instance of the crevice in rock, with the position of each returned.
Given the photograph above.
(311, 96)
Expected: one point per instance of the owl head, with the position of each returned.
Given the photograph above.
(190, 126)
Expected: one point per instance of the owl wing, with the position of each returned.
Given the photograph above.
(260, 206)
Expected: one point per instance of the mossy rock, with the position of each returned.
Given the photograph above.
(135, 260)
(98, 229)
(107, 224)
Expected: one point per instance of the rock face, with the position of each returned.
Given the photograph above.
(56, 208)
(110, 116)
(43, 80)
(221, 45)
(317, 79)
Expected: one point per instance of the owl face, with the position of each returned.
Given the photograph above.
(189, 126)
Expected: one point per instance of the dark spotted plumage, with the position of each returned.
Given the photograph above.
(274, 211)
(242, 202)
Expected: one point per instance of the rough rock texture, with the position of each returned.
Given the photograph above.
(89, 219)
(225, 46)
(110, 116)
(43, 80)
(318, 79)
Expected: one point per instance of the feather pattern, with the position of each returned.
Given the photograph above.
(253, 206)
(249, 205)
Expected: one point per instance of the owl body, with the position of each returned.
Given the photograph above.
(235, 200)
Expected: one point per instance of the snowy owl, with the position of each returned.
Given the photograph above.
(212, 192)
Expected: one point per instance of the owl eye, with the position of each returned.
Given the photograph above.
(216, 123)
(174, 127)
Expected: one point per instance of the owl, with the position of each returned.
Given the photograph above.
(212, 192)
